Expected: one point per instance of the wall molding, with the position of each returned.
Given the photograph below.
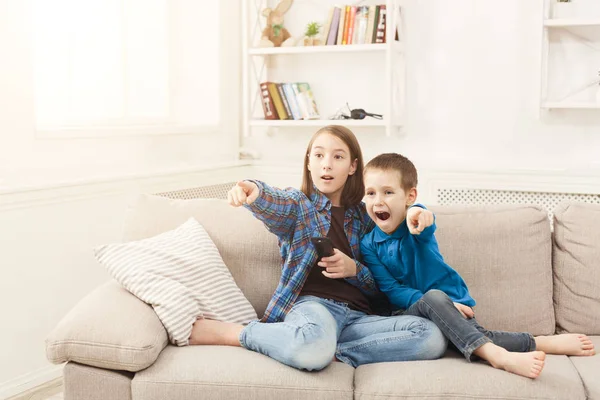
(30, 380)
(60, 192)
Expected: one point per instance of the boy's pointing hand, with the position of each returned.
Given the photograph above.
(417, 219)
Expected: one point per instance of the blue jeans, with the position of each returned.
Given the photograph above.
(466, 334)
(316, 329)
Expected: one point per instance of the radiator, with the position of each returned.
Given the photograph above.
(549, 201)
(202, 192)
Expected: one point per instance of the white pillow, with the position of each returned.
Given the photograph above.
(181, 274)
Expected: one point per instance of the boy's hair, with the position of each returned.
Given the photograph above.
(399, 163)
(354, 189)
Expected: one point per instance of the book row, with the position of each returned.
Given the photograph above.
(355, 25)
(288, 101)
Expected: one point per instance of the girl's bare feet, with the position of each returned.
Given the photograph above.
(529, 364)
(208, 331)
(570, 344)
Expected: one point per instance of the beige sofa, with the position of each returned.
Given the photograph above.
(523, 276)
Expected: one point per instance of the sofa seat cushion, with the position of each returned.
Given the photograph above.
(504, 254)
(223, 372)
(453, 378)
(577, 268)
(110, 328)
(589, 371)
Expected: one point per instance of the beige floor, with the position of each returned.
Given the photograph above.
(50, 391)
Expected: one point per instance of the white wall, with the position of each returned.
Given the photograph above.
(59, 198)
(473, 98)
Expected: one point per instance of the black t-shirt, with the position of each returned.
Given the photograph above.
(319, 285)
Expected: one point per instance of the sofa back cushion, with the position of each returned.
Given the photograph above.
(577, 268)
(504, 255)
(247, 248)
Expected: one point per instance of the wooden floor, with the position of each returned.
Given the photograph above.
(52, 390)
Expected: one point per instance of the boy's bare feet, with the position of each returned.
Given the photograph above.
(529, 365)
(208, 331)
(570, 344)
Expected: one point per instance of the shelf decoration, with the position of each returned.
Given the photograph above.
(274, 34)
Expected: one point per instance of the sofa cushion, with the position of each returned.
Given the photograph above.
(247, 248)
(504, 255)
(109, 328)
(83, 382)
(588, 368)
(577, 268)
(453, 378)
(181, 275)
(223, 372)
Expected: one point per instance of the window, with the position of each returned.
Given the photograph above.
(106, 67)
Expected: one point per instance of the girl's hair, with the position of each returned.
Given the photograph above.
(354, 188)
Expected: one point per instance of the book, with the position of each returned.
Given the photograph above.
(302, 104)
(327, 26)
(340, 35)
(293, 103)
(380, 36)
(333, 30)
(284, 100)
(309, 100)
(370, 25)
(360, 25)
(375, 22)
(272, 87)
(346, 23)
(351, 24)
(267, 102)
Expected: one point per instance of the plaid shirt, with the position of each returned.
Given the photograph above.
(294, 219)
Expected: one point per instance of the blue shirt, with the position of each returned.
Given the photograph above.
(294, 219)
(406, 266)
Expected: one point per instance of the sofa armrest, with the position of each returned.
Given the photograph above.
(110, 328)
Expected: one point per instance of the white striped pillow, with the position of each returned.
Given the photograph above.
(181, 274)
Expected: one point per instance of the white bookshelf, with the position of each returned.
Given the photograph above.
(333, 71)
(570, 59)
(570, 22)
(571, 105)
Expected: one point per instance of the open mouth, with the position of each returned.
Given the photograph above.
(327, 177)
(382, 215)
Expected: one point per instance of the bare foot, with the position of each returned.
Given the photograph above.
(208, 331)
(570, 344)
(529, 364)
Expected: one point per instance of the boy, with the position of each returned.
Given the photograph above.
(403, 255)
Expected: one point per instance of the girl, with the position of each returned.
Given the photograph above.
(320, 310)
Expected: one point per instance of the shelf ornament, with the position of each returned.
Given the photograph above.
(274, 34)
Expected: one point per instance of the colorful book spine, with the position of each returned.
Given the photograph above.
(327, 26)
(284, 100)
(291, 96)
(351, 24)
(340, 35)
(380, 36)
(370, 25)
(376, 22)
(267, 102)
(346, 23)
(333, 30)
(272, 87)
(302, 105)
(309, 100)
